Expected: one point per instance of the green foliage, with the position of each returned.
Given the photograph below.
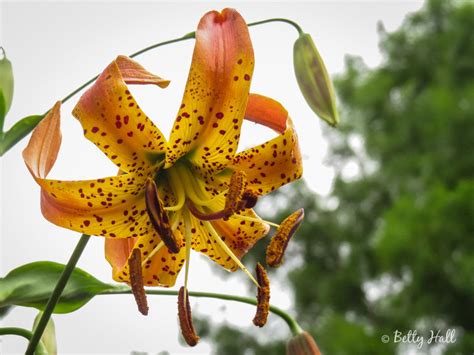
(31, 285)
(396, 249)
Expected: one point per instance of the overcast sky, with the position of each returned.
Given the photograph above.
(55, 47)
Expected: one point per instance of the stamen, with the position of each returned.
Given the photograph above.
(253, 219)
(187, 236)
(178, 190)
(185, 318)
(159, 217)
(237, 185)
(263, 297)
(250, 198)
(204, 216)
(229, 252)
(136, 280)
(276, 248)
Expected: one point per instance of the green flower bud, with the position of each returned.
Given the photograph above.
(313, 79)
(302, 344)
(6, 83)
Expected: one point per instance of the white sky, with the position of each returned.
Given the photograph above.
(55, 47)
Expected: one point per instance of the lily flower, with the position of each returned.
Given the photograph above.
(191, 191)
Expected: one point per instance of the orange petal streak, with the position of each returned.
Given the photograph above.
(276, 162)
(216, 94)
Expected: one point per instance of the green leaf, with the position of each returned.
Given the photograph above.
(49, 336)
(18, 131)
(31, 285)
(6, 80)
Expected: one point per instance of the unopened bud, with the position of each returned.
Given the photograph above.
(313, 79)
(302, 344)
(6, 84)
(277, 247)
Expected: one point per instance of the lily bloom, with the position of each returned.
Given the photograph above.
(191, 191)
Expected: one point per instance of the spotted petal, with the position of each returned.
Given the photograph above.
(113, 121)
(238, 234)
(160, 268)
(276, 162)
(213, 106)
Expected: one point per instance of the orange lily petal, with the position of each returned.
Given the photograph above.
(113, 121)
(43, 147)
(276, 162)
(110, 207)
(160, 268)
(216, 94)
(239, 235)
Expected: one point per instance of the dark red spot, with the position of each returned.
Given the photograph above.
(95, 129)
(247, 77)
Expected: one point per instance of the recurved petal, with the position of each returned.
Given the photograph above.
(215, 98)
(276, 162)
(42, 150)
(160, 266)
(110, 207)
(113, 121)
(238, 234)
(161, 269)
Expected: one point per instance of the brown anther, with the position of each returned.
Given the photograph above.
(136, 280)
(263, 297)
(237, 185)
(277, 247)
(250, 198)
(159, 218)
(185, 318)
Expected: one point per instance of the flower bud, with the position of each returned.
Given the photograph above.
(302, 344)
(313, 79)
(6, 83)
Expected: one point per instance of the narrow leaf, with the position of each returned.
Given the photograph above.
(18, 132)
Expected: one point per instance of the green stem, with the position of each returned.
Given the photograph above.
(292, 323)
(58, 289)
(292, 23)
(25, 333)
(141, 51)
(26, 125)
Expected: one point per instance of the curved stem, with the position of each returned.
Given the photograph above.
(23, 127)
(292, 323)
(58, 289)
(292, 23)
(133, 55)
(25, 333)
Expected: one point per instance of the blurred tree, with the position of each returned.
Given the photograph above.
(396, 248)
